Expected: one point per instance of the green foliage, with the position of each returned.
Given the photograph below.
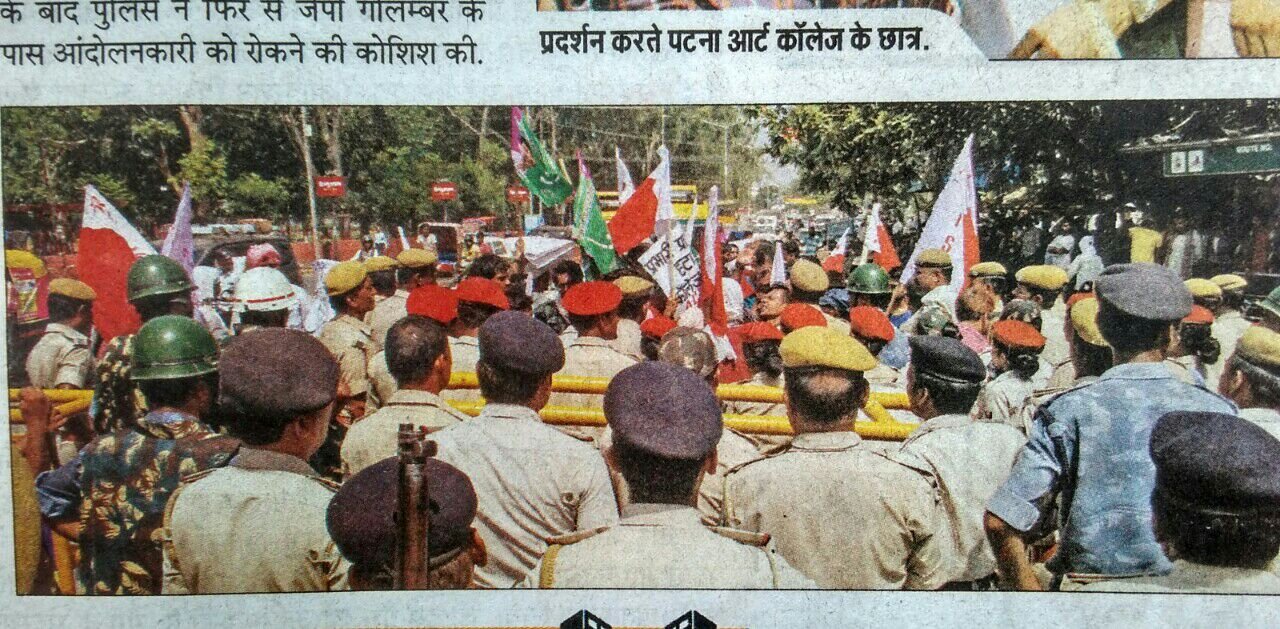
(206, 169)
(251, 195)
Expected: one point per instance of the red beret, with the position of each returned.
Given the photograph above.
(1079, 297)
(433, 302)
(591, 298)
(1017, 334)
(1199, 314)
(479, 290)
(870, 324)
(796, 316)
(657, 326)
(833, 263)
(757, 331)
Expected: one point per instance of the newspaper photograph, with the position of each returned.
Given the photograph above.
(642, 313)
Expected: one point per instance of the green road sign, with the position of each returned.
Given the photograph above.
(1245, 157)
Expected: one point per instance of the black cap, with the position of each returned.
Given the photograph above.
(946, 358)
(514, 340)
(1144, 290)
(361, 516)
(276, 371)
(664, 410)
(1216, 464)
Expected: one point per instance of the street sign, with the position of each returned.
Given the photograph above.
(517, 194)
(331, 186)
(444, 191)
(1246, 157)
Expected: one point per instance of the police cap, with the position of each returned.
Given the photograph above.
(515, 341)
(1145, 291)
(663, 410)
(1216, 464)
(276, 372)
(946, 358)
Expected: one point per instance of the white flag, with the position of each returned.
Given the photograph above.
(946, 228)
(662, 190)
(179, 243)
(711, 237)
(404, 240)
(842, 245)
(778, 275)
(625, 186)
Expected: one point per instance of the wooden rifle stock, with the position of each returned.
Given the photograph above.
(413, 561)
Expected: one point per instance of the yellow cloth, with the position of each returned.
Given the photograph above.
(19, 259)
(1200, 287)
(344, 276)
(1084, 320)
(380, 263)
(74, 289)
(417, 258)
(1260, 346)
(1229, 281)
(1143, 243)
(809, 277)
(988, 269)
(1042, 276)
(823, 347)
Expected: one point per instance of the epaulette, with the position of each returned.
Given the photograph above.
(763, 457)
(575, 537)
(927, 471)
(195, 476)
(742, 537)
(328, 484)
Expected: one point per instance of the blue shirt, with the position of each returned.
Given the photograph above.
(1089, 447)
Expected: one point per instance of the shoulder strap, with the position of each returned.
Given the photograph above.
(749, 538)
(575, 537)
(547, 576)
(326, 483)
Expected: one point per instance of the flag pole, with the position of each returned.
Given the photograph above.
(311, 182)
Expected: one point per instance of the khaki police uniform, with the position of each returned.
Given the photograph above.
(1267, 418)
(764, 443)
(663, 546)
(374, 438)
(1188, 577)
(1001, 400)
(257, 525)
(837, 324)
(1053, 320)
(386, 313)
(589, 356)
(352, 344)
(628, 341)
(533, 482)
(61, 356)
(969, 460)
(845, 516)
(382, 385)
(465, 352)
(883, 376)
(1227, 328)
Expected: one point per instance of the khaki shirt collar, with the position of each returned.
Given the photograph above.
(67, 331)
(251, 458)
(651, 514)
(591, 341)
(940, 422)
(355, 323)
(414, 397)
(510, 411)
(835, 441)
(467, 340)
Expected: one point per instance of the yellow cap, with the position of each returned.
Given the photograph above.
(988, 269)
(417, 258)
(19, 259)
(632, 286)
(344, 277)
(74, 289)
(815, 346)
(1084, 320)
(380, 263)
(1260, 346)
(936, 258)
(1230, 281)
(1042, 276)
(807, 276)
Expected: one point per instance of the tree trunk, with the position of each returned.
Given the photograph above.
(192, 116)
(331, 134)
(484, 128)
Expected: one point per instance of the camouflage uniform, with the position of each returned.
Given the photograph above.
(126, 479)
(118, 404)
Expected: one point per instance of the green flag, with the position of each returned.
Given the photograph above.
(534, 165)
(589, 226)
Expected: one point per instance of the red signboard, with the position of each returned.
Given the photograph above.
(517, 194)
(444, 191)
(331, 186)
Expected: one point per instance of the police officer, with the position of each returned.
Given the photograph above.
(1015, 357)
(389, 300)
(432, 301)
(808, 284)
(872, 328)
(876, 523)
(868, 285)
(156, 286)
(258, 524)
(361, 518)
(795, 316)
(1228, 320)
(760, 343)
(967, 459)
(508, 452)
(636, 294)
(933, 269)
(1090, 357)
(1252, 378)
(1216, 505)
(1269, 310)
(593, 313)
(264, 298)
(61, 359)
(478, 299)
(993, 277)
(351, 342)
(417, 355)
(417, 268)
(1042, 284)
(115, 491)
(657, 461)
(1091, 442)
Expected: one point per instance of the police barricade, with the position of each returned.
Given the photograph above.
(882, 426)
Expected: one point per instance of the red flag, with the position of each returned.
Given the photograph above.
(108, 247)
(878, 243)
(646, 211)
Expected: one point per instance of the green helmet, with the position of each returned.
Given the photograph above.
(173, 347)
(157, 275)
(1272, 302)
(870, 279)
